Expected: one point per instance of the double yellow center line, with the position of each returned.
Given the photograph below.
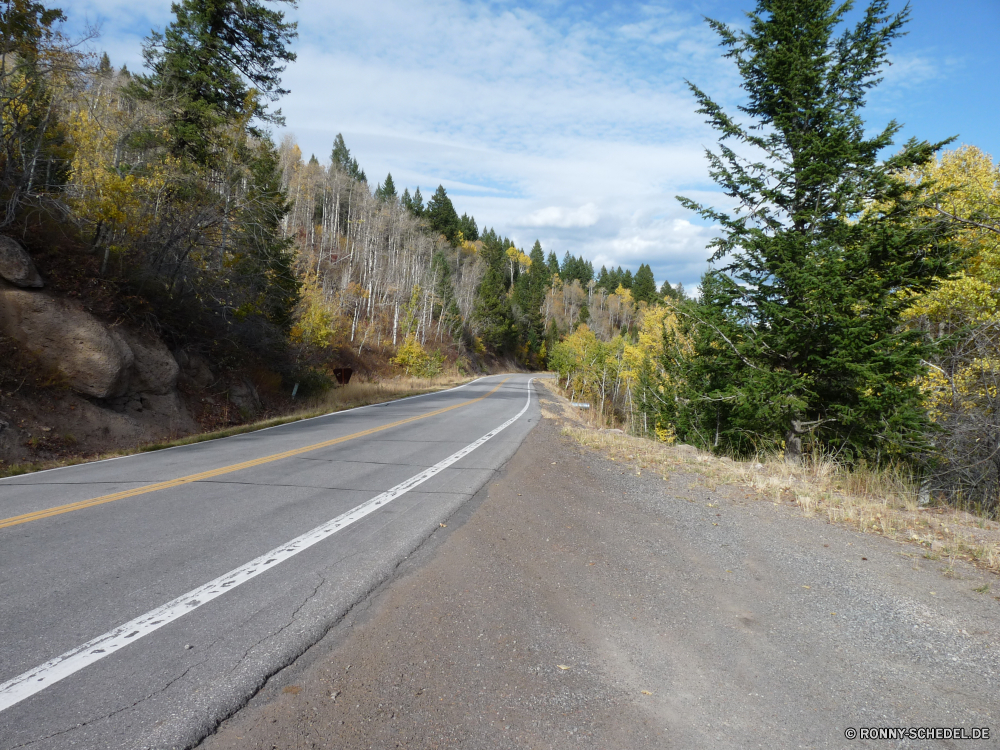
(71, 507)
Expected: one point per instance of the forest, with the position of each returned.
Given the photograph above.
(161, 198)
(850, 309)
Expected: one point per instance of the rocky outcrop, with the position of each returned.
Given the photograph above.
(154, 370)
(16, 266)
(95, 360)
(125, 382)
(195, 372)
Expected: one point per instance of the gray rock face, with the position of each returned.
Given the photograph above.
(94, 359)
(155, 370)
(16, 266)
(195, 371)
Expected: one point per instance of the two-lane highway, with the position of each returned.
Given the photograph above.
(144, 599)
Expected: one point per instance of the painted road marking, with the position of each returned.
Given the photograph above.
(252, 432)
(33, 681)
(81, 504)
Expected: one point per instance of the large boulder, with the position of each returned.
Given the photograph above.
(94, 359)
(155, 370)
(16, 266)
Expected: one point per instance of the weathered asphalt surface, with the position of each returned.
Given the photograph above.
(573, 603)
(71, 577)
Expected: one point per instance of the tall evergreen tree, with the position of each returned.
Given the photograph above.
(644, 286)
(830, 241)
(340, 158)
(667, 290)
(417, 209)
(467, 225)
(492, 318)
(552, 262)
(217, 61)
(387, 190)
(441, 214)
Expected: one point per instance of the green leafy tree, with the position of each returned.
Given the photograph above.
(218, 61)
(804, 313)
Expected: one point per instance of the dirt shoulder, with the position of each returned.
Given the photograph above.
(582, 601)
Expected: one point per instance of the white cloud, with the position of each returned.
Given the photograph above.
(562, 218)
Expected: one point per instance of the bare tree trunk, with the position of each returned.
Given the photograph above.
(793, 442)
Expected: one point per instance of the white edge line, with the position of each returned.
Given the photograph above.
(35, 680)
(252, 432)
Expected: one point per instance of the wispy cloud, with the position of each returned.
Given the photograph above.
(546, 119)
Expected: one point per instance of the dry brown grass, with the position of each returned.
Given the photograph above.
(880, 502)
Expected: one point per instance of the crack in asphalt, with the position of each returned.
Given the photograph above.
(129, 707)
(283, 628)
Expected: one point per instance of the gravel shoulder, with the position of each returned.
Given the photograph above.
(579, 601)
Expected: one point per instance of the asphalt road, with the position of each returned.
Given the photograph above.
(578, 601)
(212, 539)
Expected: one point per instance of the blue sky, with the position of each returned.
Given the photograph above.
(568, 122)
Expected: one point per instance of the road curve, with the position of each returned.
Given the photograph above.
(146, 598)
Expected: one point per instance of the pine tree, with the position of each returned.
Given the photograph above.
(386, 192)
(262, 255)
(418, 203)
(104, 68)
(217, 61)
(666, 290)
(644, 286)
(340, 158)
(441, 214)
(467, 225)
(828, 244)
(552, 262)
(492, 318)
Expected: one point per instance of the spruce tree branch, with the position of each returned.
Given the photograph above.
(725, 338)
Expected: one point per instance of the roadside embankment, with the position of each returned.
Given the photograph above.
(60, 428)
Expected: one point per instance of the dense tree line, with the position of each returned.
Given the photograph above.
(191, 220)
